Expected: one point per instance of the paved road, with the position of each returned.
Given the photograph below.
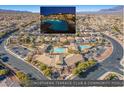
(112, 63)
(19, 64)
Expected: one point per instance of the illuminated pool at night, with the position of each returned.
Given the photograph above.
(57, 25)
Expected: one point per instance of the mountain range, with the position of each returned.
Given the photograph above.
(114, 9)
(11, 11)
(117, 9)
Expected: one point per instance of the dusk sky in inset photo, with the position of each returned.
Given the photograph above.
(56, 10)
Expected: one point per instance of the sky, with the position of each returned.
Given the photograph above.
(36, 8)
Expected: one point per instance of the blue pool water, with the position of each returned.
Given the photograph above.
(59, 50)
(57, 25)
(82, 47)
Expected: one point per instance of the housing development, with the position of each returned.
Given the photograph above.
(61, 45)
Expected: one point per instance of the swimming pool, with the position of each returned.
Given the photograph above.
(59, 50)
(82, 47)
(57, 25)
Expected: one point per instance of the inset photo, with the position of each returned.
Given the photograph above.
(58, 19)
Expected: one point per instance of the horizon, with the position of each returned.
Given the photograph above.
(36, 8)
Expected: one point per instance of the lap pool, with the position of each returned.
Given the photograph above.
(82, 47)
(59, 50)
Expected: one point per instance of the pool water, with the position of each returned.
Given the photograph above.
(57, 25)
(59, 50)
(82, 47)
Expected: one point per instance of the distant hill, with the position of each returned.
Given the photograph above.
(11, 11)
(112, 10)
(117, 9)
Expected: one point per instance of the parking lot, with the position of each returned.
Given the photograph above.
(21, 51)
(4, 57)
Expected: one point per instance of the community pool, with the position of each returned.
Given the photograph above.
(57, 25)
(59, 50)
(82, 47)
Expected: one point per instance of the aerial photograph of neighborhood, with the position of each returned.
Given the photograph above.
(62, 43)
